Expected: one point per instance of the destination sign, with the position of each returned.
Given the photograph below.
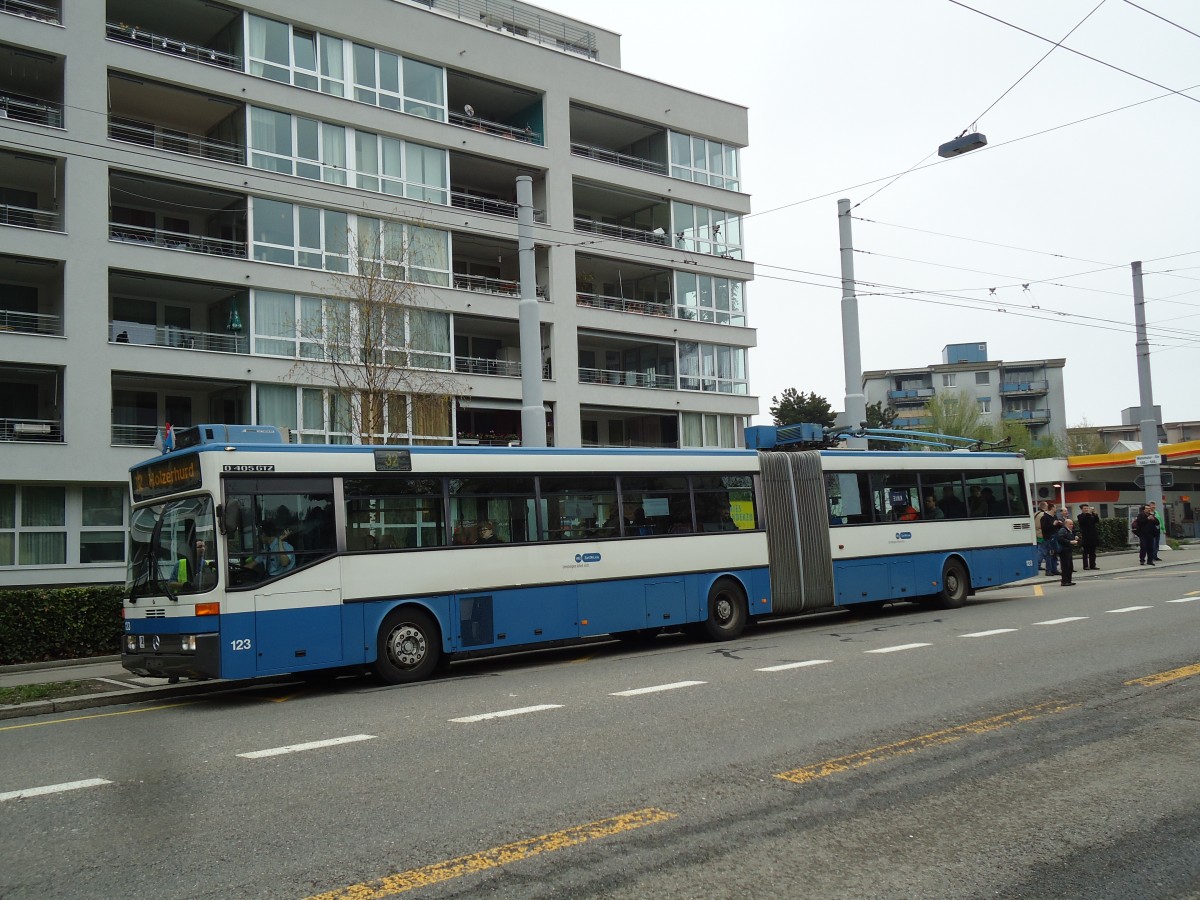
(166, 477)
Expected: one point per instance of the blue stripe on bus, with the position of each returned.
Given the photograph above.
(871, 579)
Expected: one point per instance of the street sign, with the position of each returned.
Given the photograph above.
(1168, 480)
(1149, 459)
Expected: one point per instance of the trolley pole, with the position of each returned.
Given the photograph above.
(533, 408)
(856, 401)
(1152, 473)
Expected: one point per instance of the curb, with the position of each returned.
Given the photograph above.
(57, 664)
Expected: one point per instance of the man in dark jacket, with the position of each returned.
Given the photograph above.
(1089, 534)
(1065, 542)
(1145, 526)
(1049, 524)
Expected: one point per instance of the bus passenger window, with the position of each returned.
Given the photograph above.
(394, 513)
(503, 504)
(579, 507)
(724, 502)
(661, 504)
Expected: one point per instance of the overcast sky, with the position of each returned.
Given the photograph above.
(846, 92)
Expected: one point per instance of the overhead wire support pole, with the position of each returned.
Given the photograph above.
(533, 408)
(856, 401)
(1149, 425)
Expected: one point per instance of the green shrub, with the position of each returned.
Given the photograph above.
(38, 624)
(1114, 534)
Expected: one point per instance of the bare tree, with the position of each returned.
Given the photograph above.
(377, 345)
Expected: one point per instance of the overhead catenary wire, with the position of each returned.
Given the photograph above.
(1163, 18)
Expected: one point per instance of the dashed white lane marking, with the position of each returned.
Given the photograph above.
(1062, 621)
(53, 789)
(505, 713)
(1130, 609)
(795, 665)
(988, 633)
(1184, 600)
(898, 647)
(311, 745)
(674, 686)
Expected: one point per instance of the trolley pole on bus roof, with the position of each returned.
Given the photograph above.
(1149, 459)
(856, 401)
(533, 408)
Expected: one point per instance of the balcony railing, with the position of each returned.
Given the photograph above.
(131, 34)
(476, 203)
(592, 226)
(27, 109)
(1027, 415)
(31, 11)
(475, 123)
(30, 323)
(134, 435)
(912, 422)
(176, 240)
(493, 286)
(120, 332)
(626, 379)
(621, 159)
(524, 23)
(505, 368)
(1024, 387)
(23, 217)
(620, 304)
(911, 395)
(174, 141)
(46, 431)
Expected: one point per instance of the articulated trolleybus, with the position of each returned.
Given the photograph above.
(251, 556)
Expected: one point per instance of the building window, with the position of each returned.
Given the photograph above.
(331, 416)
(708, 430)
(712, 367)
(985, 404)
(707, 162)
(102, 531)
(703, 298)
(701, 230)
(948, 380)
(983, 377)
(46, 525)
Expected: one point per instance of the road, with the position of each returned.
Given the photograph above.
(1037, 743)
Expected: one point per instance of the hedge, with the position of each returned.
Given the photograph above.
(38, 624)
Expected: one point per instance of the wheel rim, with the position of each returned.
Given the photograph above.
(952, 583)
(723, 608)
(406, 646)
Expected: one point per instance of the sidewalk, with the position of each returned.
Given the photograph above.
(106, 683)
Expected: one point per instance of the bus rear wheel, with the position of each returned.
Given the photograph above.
(955, 585)
(726, 610)
(409, 646)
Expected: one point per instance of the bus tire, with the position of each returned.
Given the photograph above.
(726, 610)
(956, 585)
(409, 646)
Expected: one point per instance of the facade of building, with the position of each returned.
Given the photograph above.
(1027, 391)
(186, 189)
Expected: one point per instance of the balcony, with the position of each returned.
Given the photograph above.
(621, 215)
(142, 402)
(190, 29)
(176, 216)
(615, 359)
(492, 347)
(525, 22)
(42, 12)
(184, 315)
(1026, 415)
(31, 403)
(29, 190)
(1027, 388)
(175, 120)
(31, 87)
(602, 426)
(602, 283)
(910, 396)
(490, 266)
(31, 295)
(495, 108)
(618, 140)
(912, 422)
(489, 186)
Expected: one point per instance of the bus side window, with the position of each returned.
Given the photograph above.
(501, 505)
(724, 502)
(661, 504)
(578, 507)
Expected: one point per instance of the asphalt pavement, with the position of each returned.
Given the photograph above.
(101, 672)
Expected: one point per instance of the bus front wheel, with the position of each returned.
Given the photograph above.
(409, 646)
(955, 585)
(726, 610)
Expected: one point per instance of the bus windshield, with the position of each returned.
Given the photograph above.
(172, 549)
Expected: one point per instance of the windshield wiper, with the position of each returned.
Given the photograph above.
(152, 560)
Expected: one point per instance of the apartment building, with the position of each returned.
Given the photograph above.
(184, 187)
(1025, 391)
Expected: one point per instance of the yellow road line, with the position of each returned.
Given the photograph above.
(829, 767)
(124, 712)
(1037, 591)
(1164, 677)
(497, 856)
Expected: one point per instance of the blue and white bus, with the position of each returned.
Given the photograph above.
(251, 556)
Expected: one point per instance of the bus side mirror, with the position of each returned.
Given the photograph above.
(229, 517)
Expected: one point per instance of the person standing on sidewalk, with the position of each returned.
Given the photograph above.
(1065, 543)
(1161, 528)
(1049, 525)
(1089, 534)
(1145, 526)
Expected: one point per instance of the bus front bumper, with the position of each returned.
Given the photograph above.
(162, 656)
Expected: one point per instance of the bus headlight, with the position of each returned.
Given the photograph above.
(187, 642)
(130, 643)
